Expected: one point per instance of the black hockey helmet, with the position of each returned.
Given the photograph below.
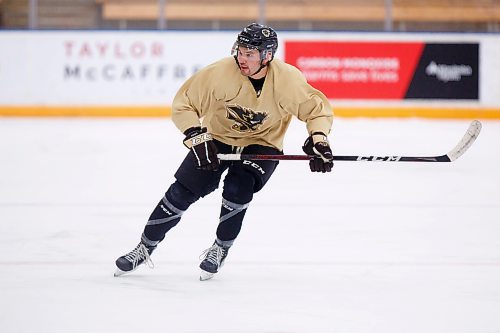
(257, 36)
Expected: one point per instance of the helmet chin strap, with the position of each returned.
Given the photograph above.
(260, 68)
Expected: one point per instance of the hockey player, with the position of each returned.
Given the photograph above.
(240, 104)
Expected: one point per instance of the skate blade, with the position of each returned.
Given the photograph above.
(204, 275)
(119, 272)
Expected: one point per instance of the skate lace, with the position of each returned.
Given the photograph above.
(214, 254)
(140, 253)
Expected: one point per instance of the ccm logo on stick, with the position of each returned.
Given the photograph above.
(379, 158)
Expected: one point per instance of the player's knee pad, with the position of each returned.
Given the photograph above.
(181, 196)
(238, 186)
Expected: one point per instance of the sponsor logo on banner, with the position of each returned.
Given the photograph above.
(447, 71)
(387, 70)
(137, 69)
(114, 61)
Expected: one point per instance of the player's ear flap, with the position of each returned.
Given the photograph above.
(269, 56)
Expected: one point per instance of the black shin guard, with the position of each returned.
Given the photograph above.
(236, 196)
(167, 213)
(231, 219)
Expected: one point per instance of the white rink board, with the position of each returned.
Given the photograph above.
(106, 68)
(134, 68)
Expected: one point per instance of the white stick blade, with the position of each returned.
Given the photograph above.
(467, 141)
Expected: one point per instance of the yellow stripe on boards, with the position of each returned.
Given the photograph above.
(86, 111)
(166, 111)
(420, 112)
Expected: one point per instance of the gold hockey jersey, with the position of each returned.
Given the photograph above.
(220, 98)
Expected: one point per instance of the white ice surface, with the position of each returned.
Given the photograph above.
(371, 247)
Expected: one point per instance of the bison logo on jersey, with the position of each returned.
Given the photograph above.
(246, 119)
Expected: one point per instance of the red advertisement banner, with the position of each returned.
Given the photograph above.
(353, 70)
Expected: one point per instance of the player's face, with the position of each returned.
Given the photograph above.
(249, 60)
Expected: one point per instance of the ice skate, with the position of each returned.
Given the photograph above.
(129, 262)
(213, 260)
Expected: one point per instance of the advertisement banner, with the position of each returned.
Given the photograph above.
(101, 68)
(388, 70)
(136, 73)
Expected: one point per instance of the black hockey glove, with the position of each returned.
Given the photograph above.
(317, 145)
(204, 150)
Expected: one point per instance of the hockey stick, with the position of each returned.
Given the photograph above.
(464, 144)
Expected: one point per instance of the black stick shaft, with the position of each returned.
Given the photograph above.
(351, 158)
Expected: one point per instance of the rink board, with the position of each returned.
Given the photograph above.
(137, 73)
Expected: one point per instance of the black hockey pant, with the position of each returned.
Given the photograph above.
(243, 179)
